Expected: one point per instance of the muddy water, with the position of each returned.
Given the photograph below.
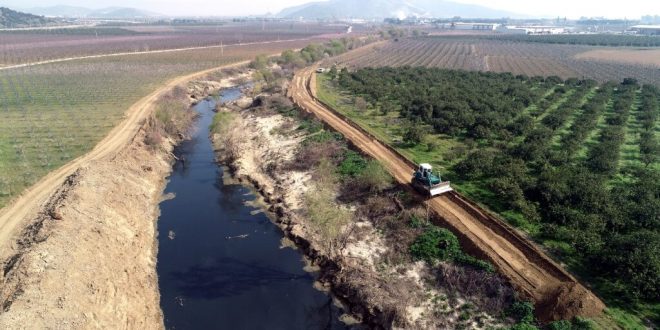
(220, 261)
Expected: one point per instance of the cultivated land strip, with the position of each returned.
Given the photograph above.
(66, 59)
(32, 200)
(557, 294)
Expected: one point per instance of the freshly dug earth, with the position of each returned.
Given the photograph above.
(88, 259)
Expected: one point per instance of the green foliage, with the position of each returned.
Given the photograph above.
(15, 19)
(577, 323)
(221, 121)
(435, 244)
(375, 177)
(311, 126)
(523, 326)
(414, 133)
(572, 162)
(471, 261)
(452, 102)
(416, 222)
(580, 323)
(521, 311)
(323, 212)
(352, 165)
(560, 325)
(259, 63)
(323, 136)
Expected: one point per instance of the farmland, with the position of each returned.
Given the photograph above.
(18, 47)
(649, 57)
(573, 163)
(479, 54)
(53, 113)
(588, 39)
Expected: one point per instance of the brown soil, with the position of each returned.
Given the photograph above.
(86, 254)
(530, 271)
(641, 56)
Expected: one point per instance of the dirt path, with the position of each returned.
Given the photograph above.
(67, 59)
(556, 293)
(32, 200)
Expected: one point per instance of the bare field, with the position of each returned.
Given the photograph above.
(641, 56)
(18, 47)
(475, 54)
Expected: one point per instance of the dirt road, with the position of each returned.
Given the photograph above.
(30, 202)
(557, 294)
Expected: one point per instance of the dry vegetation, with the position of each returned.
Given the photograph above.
(358, 226)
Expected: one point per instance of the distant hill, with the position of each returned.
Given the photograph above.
(119, 12)
(16, 19)
(80, 12)
(376, 9)
(60, 11)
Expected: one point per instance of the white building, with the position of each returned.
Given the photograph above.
(469, 26)
(533, 29)
(651, 30)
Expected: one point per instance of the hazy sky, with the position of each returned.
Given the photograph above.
(553, 8)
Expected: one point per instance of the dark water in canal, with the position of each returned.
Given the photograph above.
(210, 277)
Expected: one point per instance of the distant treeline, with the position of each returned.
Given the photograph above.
(586, 39)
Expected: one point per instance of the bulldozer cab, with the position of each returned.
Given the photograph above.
(425, 180)
(425, 170)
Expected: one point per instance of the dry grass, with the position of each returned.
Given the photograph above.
(171, 119)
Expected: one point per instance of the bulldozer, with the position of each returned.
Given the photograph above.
(428, 183)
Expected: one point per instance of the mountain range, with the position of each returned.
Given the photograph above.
(81, 12)
(378, 9)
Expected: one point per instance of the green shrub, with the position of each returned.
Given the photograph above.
(521, 311)
(560, 325)
(221, 121)
(523, 326)
(469, 260)
(310, 125)
(580, 323)
(352, 165)
(374, 177)
(435, 244)
(416, 222)
(323, 136)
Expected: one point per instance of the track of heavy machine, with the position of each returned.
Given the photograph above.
(555, 292)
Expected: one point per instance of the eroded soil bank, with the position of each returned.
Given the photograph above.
(88, 260)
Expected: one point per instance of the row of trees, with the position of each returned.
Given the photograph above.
(604, 157)
(530, 164)
(590, 39)
(648, 116)
(453, 102)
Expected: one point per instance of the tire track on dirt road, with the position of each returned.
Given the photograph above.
(557, 294)
(30, 202)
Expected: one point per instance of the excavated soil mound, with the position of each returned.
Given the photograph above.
(568, 301)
